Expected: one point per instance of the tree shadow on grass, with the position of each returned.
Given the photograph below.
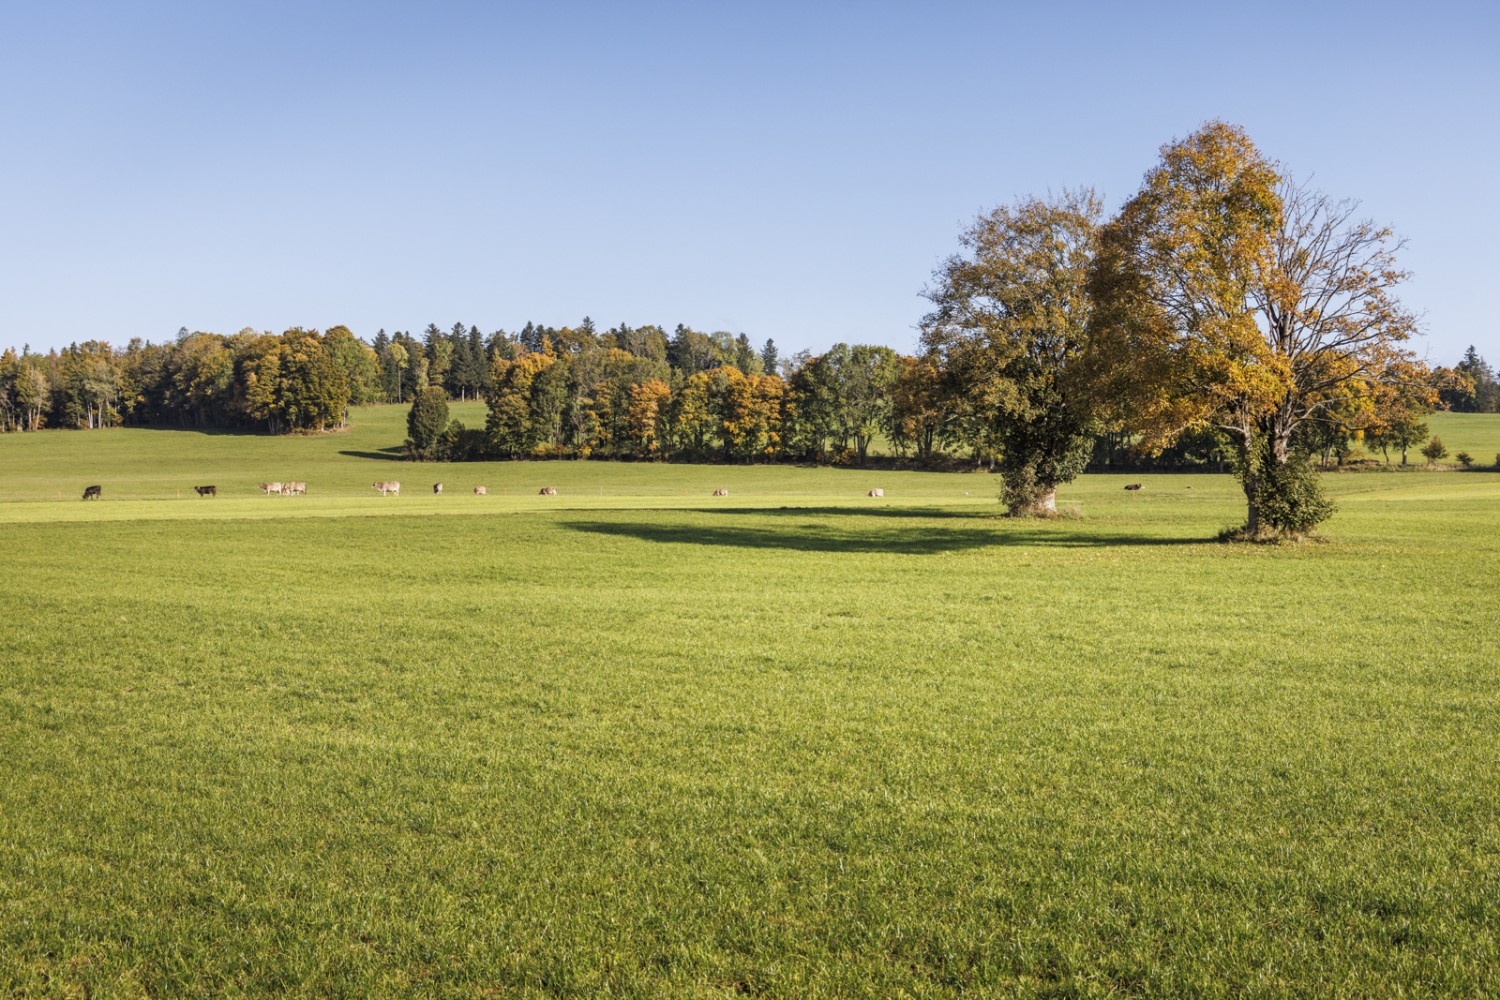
(185, 429)
(905, 513)
(396, 454)
(910, 539)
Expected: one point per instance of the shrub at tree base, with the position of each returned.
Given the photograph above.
(1289, 498)
(1031, 474)
(1464, 459)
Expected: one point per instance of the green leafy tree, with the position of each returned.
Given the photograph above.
(32, 391)
(864, 375)
(810, 407)
(261, 399)
(202, 379)
(394, 363)
(426, 422)
(314, 392)
(1010, 330)
(358, 363)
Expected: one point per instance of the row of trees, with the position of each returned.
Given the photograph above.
(297, 380)
(459, 361)
(610, 402)
(302, 379)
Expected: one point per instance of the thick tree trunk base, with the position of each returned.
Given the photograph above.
(1041, 505)
(1264, 535)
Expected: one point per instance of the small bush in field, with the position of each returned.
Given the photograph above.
(1464, 459)
(1434, 449)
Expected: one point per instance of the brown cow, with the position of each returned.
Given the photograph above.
(206, 491)
(94, 492)
(721, 492)
(1133, 486)
(548, 491)
(291, 488)
(269, 488)
(385, 487)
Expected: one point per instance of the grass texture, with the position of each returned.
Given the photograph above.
(637, 741)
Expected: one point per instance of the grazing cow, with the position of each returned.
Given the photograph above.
(437, 488)
(721, 492)
(479, 491)
(1133, 486)
(206, 491)
(290, 488)
(548, 491)
(387, 487)
(269, 488)
(94, 492)
(876, 493)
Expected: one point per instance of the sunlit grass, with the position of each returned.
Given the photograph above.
(633, 740)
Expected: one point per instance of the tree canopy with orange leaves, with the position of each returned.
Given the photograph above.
(1229, 296)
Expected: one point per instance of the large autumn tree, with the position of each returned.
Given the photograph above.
(1229, 297)
(1010, 326)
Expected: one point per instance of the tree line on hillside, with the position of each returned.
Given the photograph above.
(295, 381)
(624, 393)
(627, 393)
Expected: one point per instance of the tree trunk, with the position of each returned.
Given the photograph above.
(1249, 476)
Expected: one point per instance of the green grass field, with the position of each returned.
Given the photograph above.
(637, 741)
(1476, 433)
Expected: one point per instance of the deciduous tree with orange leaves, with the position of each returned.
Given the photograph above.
(1228, 296)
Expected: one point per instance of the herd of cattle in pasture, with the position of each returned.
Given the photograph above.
(394, 487)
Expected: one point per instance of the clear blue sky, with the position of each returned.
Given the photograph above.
(793, 170)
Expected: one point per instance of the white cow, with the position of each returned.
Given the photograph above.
(387, 487)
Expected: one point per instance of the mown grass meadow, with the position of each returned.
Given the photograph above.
(637, 741)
